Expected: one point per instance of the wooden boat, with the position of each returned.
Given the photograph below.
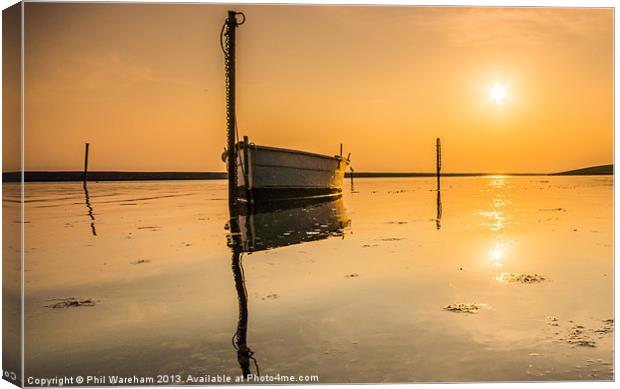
(269, 173)
(260, 173)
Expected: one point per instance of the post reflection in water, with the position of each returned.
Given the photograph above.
(270, 227)
(244, 353)
(90, 210)
(439, 210)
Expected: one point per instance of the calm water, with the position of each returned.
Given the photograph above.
(351, 291)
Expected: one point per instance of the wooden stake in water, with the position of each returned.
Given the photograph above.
(352, 184)
(86, 162)
(438, 164)
(246, 170)
(229, 59)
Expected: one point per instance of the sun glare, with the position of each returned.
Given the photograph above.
(498, 93)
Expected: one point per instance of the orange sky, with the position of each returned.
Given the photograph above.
(144, 84)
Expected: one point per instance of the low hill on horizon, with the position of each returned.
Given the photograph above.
(589, 171)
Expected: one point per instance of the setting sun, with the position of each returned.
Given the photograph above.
(498, 93)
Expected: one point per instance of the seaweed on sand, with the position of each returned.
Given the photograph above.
(140, 261)
(522, 278)
(466, 307)
(607, 328)
(578, 337)
(71, 302)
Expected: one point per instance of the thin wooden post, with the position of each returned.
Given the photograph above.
(341, 150)
(86, 163)
(246, 170)
(438, 164)
(231, 119)
(352, 184)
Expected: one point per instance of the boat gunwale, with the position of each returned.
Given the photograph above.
(293, 167)
(291, 151)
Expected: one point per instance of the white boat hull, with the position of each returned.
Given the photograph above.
(274, 173)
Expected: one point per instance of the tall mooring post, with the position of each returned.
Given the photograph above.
(228, 46)
(438, 164)
(85, 178)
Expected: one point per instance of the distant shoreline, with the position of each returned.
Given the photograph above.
(44, 176)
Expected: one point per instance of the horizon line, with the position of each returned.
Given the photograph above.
(116, 175)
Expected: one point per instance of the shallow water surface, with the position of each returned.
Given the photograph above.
(351, 291)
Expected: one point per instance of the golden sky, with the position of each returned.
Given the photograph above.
(144, 84)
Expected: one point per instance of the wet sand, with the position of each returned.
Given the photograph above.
(153, 291)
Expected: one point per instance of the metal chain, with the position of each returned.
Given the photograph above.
(227, 67)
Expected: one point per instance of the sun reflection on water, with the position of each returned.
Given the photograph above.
(496, 220)
(497, 254)
(497, 217)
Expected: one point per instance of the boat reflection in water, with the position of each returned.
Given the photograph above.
(268, 227)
